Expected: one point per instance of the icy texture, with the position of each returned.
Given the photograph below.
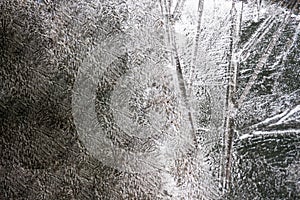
(170, 99)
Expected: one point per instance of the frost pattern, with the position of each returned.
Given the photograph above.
(169, 99)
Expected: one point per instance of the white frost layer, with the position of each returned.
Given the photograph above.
(255, 133)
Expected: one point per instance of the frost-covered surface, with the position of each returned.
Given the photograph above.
(170, 99)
